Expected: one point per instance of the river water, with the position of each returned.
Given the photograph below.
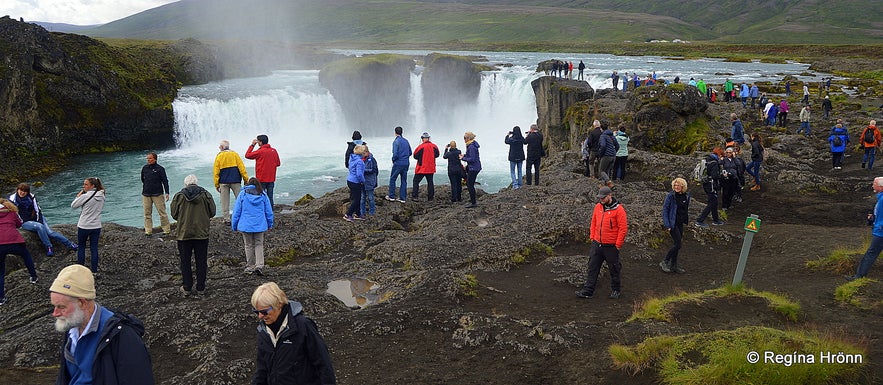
(306, 126)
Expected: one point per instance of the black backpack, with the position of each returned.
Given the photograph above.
(837, 141)
(869, 137)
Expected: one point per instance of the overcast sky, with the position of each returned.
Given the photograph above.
(80, 12)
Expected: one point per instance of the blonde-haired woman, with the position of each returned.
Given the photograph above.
(675, 214)
(473, 165)
(355, 180)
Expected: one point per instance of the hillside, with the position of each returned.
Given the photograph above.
(506, 21)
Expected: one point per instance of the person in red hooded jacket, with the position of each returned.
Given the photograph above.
(266, 161)
(425, 154)
(607, 232)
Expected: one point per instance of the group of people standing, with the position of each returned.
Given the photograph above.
(605, 153)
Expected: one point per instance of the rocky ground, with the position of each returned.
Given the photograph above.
(482, 295)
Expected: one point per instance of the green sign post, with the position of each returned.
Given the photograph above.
(752, 225)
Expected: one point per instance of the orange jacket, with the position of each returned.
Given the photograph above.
(876, 137)
(609, 224)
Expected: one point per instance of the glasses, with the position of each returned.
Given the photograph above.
(262, 311)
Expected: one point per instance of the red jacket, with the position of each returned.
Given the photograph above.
(609, 224)
(266, 160)
(876, 137)
(425, 154)
(9, 224)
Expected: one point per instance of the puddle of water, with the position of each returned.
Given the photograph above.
(356, 293)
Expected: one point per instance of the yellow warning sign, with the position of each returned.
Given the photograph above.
(752, 224)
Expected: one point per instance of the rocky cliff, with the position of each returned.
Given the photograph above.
(449, 83)
(65, 94)
(373, 90)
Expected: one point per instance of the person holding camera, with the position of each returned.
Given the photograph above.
(515, 140)
(455, 171)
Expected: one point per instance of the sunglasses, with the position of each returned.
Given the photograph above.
(262, 311)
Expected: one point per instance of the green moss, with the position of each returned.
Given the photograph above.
(304, 200)
(352, 67)
(657, 308)
(283, 258)
(468, 284)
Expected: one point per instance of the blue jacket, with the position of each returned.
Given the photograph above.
(670, 210)
(370, 172)
(738, 133)
(471, 157)
(608, 145)
(844, 139)
(744, 91)
(401, 152)
(357, 169)
(753, 92)
(252, 213)
(878, 215)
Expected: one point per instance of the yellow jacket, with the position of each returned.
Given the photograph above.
(229, 168)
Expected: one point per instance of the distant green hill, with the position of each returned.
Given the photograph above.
(508, 21)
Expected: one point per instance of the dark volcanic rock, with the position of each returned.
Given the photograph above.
(555, 119)
(449, 83)
(65, 94)
(373, 90)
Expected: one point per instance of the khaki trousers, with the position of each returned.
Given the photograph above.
(160, 203)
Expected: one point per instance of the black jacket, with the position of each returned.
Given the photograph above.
(154, 180)
(594, 141)
(121, 357)
(534, 141)
(455, 167)
(516, 147)
(300, 356)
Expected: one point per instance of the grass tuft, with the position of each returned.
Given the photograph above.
(658, 308)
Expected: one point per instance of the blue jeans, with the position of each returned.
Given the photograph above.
(367, 206)
(753, 169)
(516, 179)
(804, 127)
(92, 235)
(268, 188)
(870, 256)
(17, 249)
(45, 233)
(868, 157)
(396, 172)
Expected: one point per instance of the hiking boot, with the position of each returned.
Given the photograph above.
(34, 280)
(701, 224)
(49, 252)
(358, 218)
(249, 270)
(677, 269)
(665, 267)
(614, 294)
(584, 294)
(400, 200)
(259, 271)
(471, 205)
(184, 291)
(717, 223)
(347, 218)
(389, 198)
(755, 187)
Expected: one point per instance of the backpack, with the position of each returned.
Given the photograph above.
(700, 172)
(837, 141)
(869, 137)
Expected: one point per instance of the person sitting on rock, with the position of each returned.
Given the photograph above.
(34, 221)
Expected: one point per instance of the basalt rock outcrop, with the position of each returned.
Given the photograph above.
(66, 94)
(559, 103)
(373, 90)
(449, 84)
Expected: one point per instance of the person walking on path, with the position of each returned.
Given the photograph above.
(455, 171)
(355, 181)
(193, 207)
(11, 242)
(783, 113)
(473, 165)
(805, 93)
(826, 108)
(876, 246)
(738, 131)
(839, 141)
(229, 172)
(401, 154)
(622, 153)
(253, 216)
(34, 221)
(607, 233)
(90, 201)
(154, 193)
(101, 346)
(266, 162)
(805, 115)
(535, 152)
(290, 349)
(711, 184)
(675, 214)
(870, 143)
(425, 154)
(515, 140)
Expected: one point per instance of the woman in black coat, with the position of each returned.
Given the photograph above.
(455, 171)
(515, 140)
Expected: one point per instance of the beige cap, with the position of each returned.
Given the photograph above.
(75, 281)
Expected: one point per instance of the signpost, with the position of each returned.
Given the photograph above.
(752, 225)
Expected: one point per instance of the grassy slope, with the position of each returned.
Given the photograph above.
(506, 21)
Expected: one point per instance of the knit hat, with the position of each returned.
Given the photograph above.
(604, 191)
(357, 135)
(75, 281)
